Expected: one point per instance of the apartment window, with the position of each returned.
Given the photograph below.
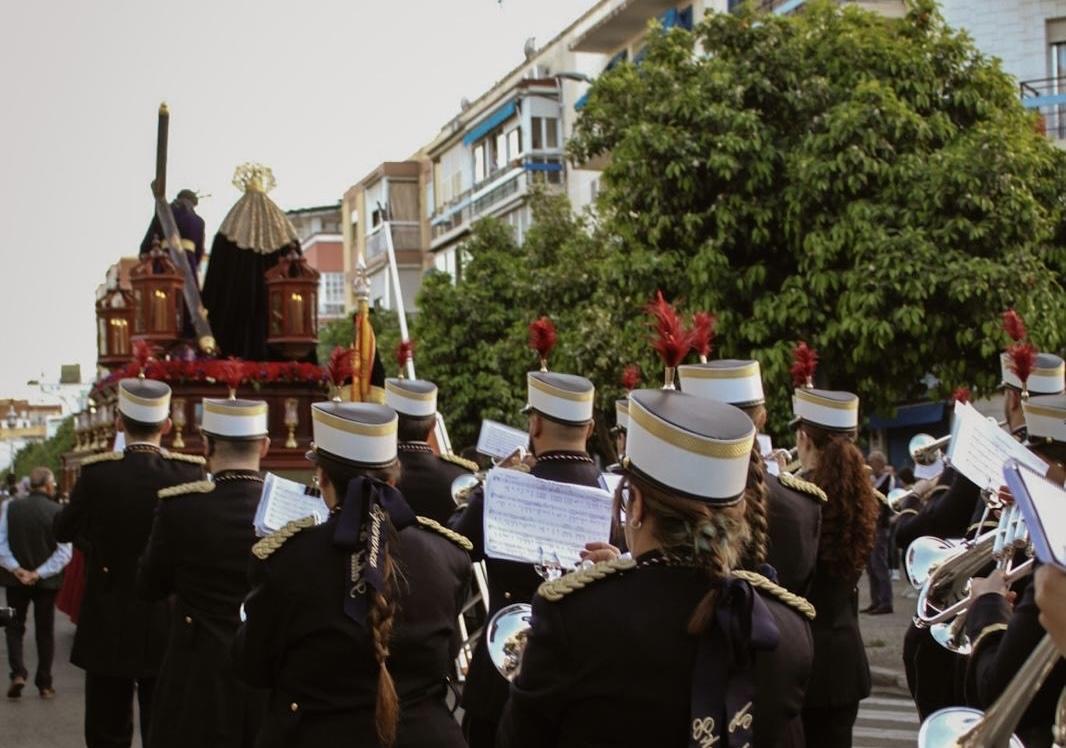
(480, 172)
(331, 294)
(514, 143)
(501, 150)
(551, 132)
(1055, 120)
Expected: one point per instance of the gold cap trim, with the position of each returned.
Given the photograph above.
(352, 427)
(397, 389)
(218, 408)
(578, 397)
(706, 372)
(810, 397)
(720, 449)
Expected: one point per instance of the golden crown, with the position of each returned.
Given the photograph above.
(252, 177)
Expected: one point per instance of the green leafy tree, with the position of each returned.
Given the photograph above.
(45, 453)
(871, 186)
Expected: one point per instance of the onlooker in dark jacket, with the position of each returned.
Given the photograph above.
(28, 549)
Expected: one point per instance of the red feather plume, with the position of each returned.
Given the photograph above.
(1022, 360)
(961, 395)
(143, 352)
(1014, 325)
(230, 371)
(703, 333)
(404, 351)
(672, 341)
(339, 367)
(631, 377)
(542, 337)
(804, 363)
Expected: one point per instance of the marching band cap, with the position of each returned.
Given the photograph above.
(144, 400)
(728, 380)
(1048, 376)
(235, 419)
(565, 398)
(695, 447)
(357, 434)
(621, 414)
(828, 409)
(411, 397)
(1045, 419)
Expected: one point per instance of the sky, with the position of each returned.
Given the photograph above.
(319, 90)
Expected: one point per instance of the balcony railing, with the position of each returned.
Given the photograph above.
(1047, 96)
(405, 235)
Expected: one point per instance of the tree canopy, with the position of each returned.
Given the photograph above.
(871, 186)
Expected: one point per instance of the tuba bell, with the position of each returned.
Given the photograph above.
(925, 554)
(505, 638)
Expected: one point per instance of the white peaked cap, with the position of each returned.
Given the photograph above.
(727, 380)
(235, 419)
(144, 400)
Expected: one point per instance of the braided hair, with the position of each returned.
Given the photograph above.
(383, 605)
(755, 513)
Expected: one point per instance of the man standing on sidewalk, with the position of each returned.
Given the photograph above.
(29, 550)
(878, 568)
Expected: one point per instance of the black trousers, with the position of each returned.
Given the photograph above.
(830, 726)
(44, 619)
(879, 570)
(479, 732)
(109, 710)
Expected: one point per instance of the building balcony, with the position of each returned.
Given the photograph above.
(494, 194)
(888, 8)
(621, 25)
(406, 235)
(1047, 97)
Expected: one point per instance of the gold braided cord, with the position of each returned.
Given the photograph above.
(804, 486)
(102, 457)
(200, 486)
(985, 635)
(758, 581)
(460, 540)
(275, 540)
(557, 589)
(461, 462)
(194, 459)
(907, 511)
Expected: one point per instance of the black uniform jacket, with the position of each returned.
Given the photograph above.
(794, 515)
(1001, 644)
(199, 551)
(947, 515)
(612, 665)
(320, 665)
(109, 518)
(426, 480)
(510, 582)
(841, 673)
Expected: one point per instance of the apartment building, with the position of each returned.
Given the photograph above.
(393, 191)
(319, 231)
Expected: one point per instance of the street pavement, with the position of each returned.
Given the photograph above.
(886, 720)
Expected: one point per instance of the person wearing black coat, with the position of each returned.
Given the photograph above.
(826, 424)
(199, 552)
(120, 638)
(559, 427)
(353, 623)
(676, 646)
(425, 477)
(793, 506)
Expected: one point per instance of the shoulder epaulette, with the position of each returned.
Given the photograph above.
(557, 589)
(882, 498)
(194, 459)
(200, 486)
(459, 539)
(804, 486)
(276, 539)
(470, 465)
(939, 490)
(799, 604)
(907, 511)
(103, 457)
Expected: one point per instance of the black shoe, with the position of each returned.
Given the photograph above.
(880, 611)
(47, 693)
(868, 609)
(15, 690)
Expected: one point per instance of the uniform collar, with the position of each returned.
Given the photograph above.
(564, 455)
(225, 475)
(422, 447)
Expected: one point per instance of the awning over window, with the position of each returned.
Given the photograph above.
(490, 123)
(910, 415)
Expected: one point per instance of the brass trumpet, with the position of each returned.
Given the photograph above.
(505, 638)
(962, 727)
(924, 448)
(464, 484)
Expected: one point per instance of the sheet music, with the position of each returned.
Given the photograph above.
(525, 514)
(766, 449)
(1043, 505)
(498, 440)
(284, 500)
(980, 449)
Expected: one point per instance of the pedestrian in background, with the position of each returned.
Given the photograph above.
(28, 549)
(878, 569)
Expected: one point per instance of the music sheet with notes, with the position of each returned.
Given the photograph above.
(284, 500)
(979, 449)
(499, 441)
(532, 520)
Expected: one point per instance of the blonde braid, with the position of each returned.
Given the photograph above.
(382, 616)
(755, 498)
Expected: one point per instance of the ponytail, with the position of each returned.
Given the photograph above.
(850, 515)
(755, 498)
(382, 616)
